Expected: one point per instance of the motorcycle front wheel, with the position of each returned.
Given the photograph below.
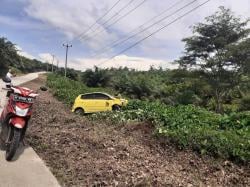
(13, 140)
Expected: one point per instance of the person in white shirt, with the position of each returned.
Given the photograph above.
(3, 99)
(9, 74)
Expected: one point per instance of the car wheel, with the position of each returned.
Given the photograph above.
(116, 108)
(79, 111)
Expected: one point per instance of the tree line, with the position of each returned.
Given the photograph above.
(10, 59)
(214, 71)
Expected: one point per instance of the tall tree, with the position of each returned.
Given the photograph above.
(96, 77)
(213, 49)
(8, 55)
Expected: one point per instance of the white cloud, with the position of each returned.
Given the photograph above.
(137, 63)
(24, 53)
(72, 18)
(75, 17)
(23, 24)
(45, 57)
(48, 58)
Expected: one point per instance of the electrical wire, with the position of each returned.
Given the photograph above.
(155, 32)
(141, 26)
(123, 16)
(150, 26)
(112, 17)
(99, 19)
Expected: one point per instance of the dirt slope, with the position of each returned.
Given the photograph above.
(84, 153)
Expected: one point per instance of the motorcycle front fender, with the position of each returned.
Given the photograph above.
(18, 122)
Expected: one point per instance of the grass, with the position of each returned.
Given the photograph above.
(67, 90)
(187, 126)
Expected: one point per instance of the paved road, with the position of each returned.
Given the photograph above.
(27, 169)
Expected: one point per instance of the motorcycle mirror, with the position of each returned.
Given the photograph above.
(43, 88)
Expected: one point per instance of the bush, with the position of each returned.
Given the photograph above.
(245, 103)
(226, 136)
(66, 89)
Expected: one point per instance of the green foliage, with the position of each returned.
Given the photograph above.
(95, 78)
(137, 85)
(28, 65)
(8, 55)
(71, 73)
(245, 103)
(226, 136)
(66, 89)
(220, 47)
(172, 87)
(10, 59)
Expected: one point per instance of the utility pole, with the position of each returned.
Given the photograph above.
(52, 68)
(66, 60)
(53, 57)
(47, 66)
(57, 65)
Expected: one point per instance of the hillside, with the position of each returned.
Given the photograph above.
(9, 58)
(103, 153)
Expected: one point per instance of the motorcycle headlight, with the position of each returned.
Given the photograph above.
(21, 112)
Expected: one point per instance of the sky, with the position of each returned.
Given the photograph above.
(40, 27)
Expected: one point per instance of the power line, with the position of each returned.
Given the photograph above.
(99, 19)
(112, 17)
(158, 30)
(123, 16)
(121, 41)
(141, 26)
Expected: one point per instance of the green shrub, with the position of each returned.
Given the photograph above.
(245, 103)
(226, 136)
(230, 108)
(66, 89)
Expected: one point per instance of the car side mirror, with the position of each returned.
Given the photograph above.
(43, 88)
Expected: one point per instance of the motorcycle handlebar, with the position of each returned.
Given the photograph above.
(6, 89)
(42, 88)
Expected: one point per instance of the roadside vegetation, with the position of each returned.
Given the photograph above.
(67, 90)
(214, 72)
(105, 153)
(9, 58)
(225, 136)
(203, 105)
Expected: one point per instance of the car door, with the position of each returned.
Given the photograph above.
(102, 102)
(88, 102)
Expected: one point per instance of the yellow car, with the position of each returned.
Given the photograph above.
(97, 102)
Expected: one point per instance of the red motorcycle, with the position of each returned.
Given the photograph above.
(15, 117)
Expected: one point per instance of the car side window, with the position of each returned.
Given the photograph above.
(101, 96)
(88, 96)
